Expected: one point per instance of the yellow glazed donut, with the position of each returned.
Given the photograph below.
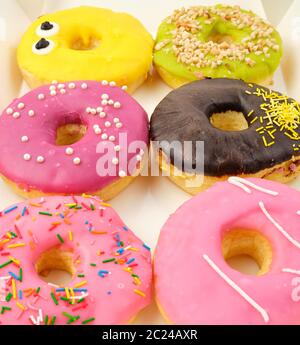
(86, 43)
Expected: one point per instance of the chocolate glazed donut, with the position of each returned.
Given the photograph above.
(268, 148)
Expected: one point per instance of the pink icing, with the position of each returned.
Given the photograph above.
(113, 298)
(29, 155)
(194, 284)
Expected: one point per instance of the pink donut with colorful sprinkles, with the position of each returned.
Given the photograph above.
(193, 282)
(110, 267)
(31, 159)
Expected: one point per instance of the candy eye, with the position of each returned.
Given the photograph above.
(47, 29)
(43, 46)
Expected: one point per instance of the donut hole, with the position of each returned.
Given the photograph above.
(56, 266)
(229, 121)
(247, 251)
(70, 132)
(218, 37)
(84, 43)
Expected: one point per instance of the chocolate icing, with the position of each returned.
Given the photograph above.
(42, 44)
(184, 115)
(46, 26)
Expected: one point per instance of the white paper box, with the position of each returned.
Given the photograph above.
(148, 202)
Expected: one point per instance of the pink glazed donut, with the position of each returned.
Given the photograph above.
(72, 138)
(193, 282)
(110, 267)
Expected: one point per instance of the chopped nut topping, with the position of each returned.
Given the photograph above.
(190, 50)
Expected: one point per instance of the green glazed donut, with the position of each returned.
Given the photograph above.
(216, 42)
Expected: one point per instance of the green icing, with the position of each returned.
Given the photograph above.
(264, 66)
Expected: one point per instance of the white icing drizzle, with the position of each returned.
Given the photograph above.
(242, 183)
(240, 291)
(278, 226)
(289, 270)
(298, 213)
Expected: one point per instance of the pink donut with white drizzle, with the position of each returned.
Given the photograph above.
(193, 282)
(111, 136)
(110, 267)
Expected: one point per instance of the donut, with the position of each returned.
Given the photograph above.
(73, 138)
(217, 42)
(110, 267)
(193, 282)
(86, 43)
(247, 130)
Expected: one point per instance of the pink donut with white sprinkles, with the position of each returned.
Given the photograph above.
(98, 122)
(110, 267)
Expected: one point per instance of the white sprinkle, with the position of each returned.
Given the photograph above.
(31, 113)
(99, 110)
(21, 106)
(117, 105)
(104, 82)
(40, 159)
(61, 86)
(33, 320)
(107, 124)
(77, 161)
(97, 130)
(72, 86)
(104, 102)
(105, 96)
(104, 136)
(116, 120)
(117, 148)
(102, 114)
(112, 138)
(93, 111)
(69, 151)
(84, 86)
(111, 102)
(54, 82)
(88, 109)
(62, 91)
(112, 83)
(278, 226)
(53, 93)
(139, 158)
(41, 96)
(52, 88)
(289, 270)
(122, 173)
(9, 111)
(115, 161)
(24, 139)
(27, 157)
(232, 284)
(125, 88)
(242, 183)
(16, 115)
(119, 125)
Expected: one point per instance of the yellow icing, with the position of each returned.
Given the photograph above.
(113, 46)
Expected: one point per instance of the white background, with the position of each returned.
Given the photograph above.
(148, 202)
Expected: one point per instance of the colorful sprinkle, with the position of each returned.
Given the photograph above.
(88, 321)
(60, 238)
(54, 298)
